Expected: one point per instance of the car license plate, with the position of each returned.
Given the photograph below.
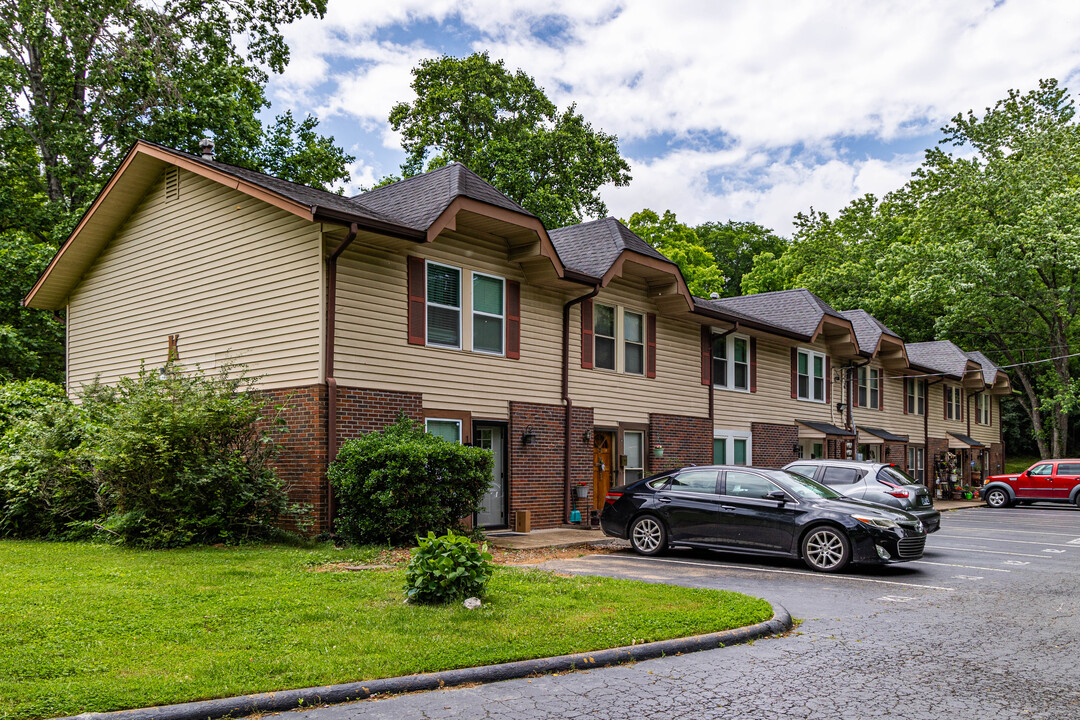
(924, 500)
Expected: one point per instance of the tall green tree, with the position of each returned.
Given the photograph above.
(503, 127)
(734, 245)
(81, 81)
(680, 244)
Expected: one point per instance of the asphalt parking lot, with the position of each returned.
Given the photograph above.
(985, 626)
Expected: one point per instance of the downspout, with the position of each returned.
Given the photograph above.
(328, 363)
(566, 393)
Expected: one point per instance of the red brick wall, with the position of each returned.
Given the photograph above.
(362, 411)
(686, 440)
(301, 461)
(536, 470)
(581, 457)
(773, 446)
(996, 466)
(895, 453)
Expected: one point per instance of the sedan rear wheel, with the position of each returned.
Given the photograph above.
(648, 536)
(997, 498)
(826, 549)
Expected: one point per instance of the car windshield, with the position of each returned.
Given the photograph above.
(897, 476)
(804, 487)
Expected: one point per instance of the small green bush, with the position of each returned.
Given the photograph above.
(402, 482)
(447, 568)
(25, 399)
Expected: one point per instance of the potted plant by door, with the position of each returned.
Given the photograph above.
(582, 490)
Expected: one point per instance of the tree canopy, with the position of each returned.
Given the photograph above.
(680, 244)
(80, 82)
(503, 127)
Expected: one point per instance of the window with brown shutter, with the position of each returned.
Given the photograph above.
(586, 334)
(794, 373)
(828, 380)
(513, 319)
(417, 301)
(650, 350)
(907, 395)
(706, 355)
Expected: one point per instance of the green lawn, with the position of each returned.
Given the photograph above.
(93, 628)
(1020, 463)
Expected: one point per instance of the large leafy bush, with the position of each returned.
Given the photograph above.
(164, 459)
(447, 568)
(402, 482)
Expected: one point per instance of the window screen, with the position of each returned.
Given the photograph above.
(443, 305)
(634, 343)
(487, 314)
(604, 337)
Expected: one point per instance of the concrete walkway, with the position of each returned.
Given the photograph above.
(568, 537)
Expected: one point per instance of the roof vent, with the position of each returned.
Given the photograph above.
(206, 145)
(714, 296)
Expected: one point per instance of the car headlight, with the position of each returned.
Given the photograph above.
(880, 522)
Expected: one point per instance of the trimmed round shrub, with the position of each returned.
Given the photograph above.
(447, 568)
(402, 482)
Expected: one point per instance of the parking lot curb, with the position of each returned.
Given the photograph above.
(312, 697)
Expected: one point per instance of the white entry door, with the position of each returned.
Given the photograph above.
(493, 506)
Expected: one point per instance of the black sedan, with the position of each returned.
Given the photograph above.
(764, 512)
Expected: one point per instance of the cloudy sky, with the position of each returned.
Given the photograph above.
(725, 110)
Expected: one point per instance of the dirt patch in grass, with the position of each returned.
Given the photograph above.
(391, 558)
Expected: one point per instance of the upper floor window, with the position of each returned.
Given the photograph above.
(870, 388)
(488, 313)
(954, 408)
(443, 305)
(731, 362)
(915, 393)
(982, 415)
(811, 376)
(633, 343)
(604, 336)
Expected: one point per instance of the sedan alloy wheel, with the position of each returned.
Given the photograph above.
(647, 536)
(826, 550)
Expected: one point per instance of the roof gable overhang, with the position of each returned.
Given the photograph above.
(973, 376)
(1001, 385)
(891, 352)
(126, 188)
(838, 335)
(665, 283)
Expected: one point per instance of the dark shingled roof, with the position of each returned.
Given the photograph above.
(938, 355)
(884, 434)
(292, 191)
(827, 428)
(418, 201)
(990, 370)
(868, 329)
(966, 440)
(798, 311)
(592, 247)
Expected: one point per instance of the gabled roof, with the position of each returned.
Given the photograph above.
(593, 247)
(941, 356)
(800, 310)
(990, 370)
(868, 329)
(418, 201)
(883, 434)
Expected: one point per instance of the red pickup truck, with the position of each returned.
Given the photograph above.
(1045, 481)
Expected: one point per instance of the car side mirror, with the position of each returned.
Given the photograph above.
(778, 495)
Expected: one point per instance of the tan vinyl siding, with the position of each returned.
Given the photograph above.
(986, 434)
(372, 349)
(620, 397)
(895, 419)
(236, 278)
(772, 403)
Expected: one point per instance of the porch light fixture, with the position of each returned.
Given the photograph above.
(840, 407)
(796, 448)
(586, 437)
(529, 436)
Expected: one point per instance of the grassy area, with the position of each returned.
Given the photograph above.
(1020, 463)
(94, 628)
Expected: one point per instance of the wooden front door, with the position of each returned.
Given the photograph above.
(603, 461)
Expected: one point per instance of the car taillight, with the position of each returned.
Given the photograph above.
(899, 493)
(611, 497)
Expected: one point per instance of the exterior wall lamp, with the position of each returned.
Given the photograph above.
(840, 407)
(529, 436)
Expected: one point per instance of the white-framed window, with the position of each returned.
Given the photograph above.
(811, 450)
(916, 457)
(915, 392)
(870, 388)
(443, 305)
(732, 447)
(633, 343)
(811, 375)
(954, 409)
(604, 337)
(488, 314)
(634, 451)
(731, 362)
(446, 429)
(982, 408)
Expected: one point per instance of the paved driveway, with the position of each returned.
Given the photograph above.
(985, 626)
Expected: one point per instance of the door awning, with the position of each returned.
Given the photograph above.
(877, 436)
(812, 429)
(963, 442)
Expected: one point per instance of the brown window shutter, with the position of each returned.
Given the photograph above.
(753, 365)
(907, 384)
(828, 380)
(513, 319)
(990, 410)
(586, 334)
(417, 301)
(794, 373)
(650, 349)
(706, 355)
(945, 408)
(881, 390)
